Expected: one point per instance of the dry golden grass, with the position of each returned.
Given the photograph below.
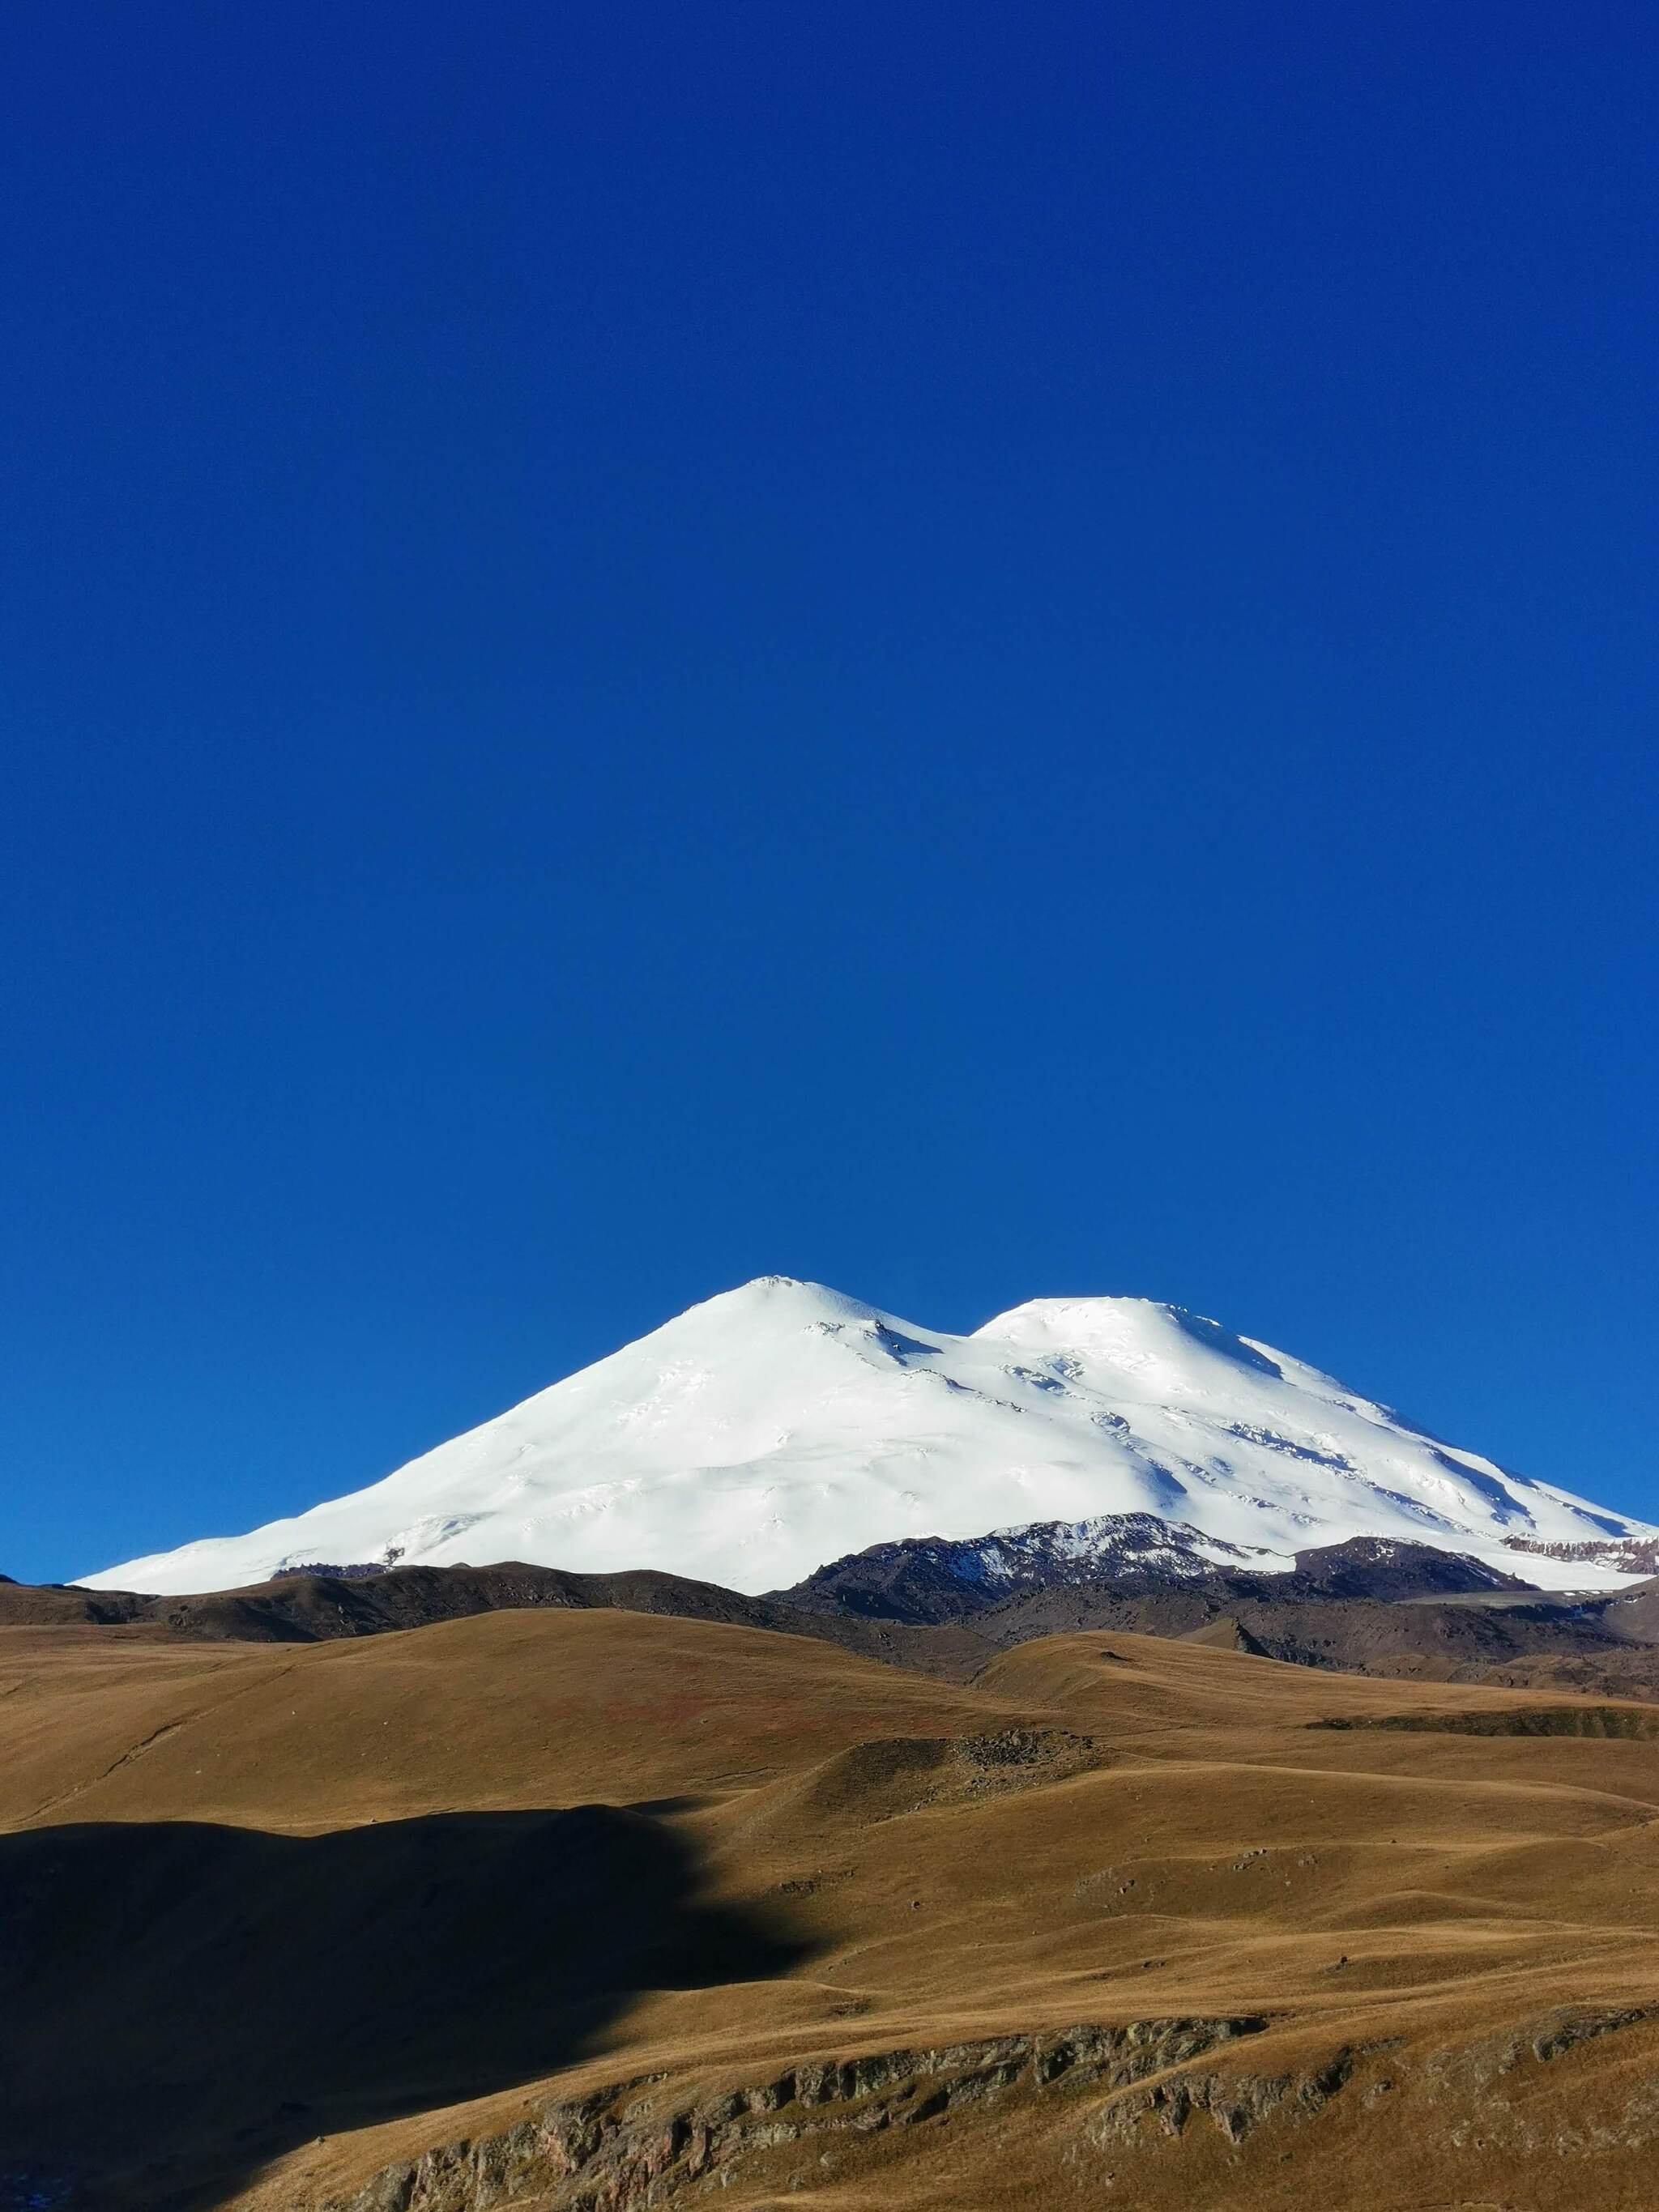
(310, 1910)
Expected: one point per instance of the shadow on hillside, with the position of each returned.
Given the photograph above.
(180, 2003)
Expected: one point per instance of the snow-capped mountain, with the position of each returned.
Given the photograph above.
(783, 1424)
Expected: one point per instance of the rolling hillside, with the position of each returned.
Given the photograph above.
(581, 1907)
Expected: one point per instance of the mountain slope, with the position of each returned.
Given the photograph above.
(782, 1424)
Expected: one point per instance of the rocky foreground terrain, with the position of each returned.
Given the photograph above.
(558, 1905)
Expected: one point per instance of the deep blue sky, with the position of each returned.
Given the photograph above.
(974, 650)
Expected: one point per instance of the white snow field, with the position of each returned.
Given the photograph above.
(781, 1425)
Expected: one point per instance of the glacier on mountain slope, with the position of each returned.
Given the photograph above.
(783, 1424)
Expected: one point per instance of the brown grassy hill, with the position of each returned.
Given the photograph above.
(323, 1608)
(575, 1907)
(1606, 1646)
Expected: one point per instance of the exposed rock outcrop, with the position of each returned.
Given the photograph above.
(631, 2144)
(1237, 2104)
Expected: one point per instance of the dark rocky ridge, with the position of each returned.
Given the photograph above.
(1633, 1555)
(322, 1607)
(1368, 1606)
(935, 1578)
(1603, 1645)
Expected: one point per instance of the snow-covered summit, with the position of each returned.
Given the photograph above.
(782, 1424)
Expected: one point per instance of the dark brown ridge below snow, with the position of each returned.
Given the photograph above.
(1318, 1617)
(314, 1608)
